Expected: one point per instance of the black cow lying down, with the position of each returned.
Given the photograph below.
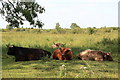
(27, 54)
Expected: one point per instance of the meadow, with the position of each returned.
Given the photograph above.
(49, 68)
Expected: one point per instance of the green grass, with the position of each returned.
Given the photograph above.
(48, 68)
(51, 69)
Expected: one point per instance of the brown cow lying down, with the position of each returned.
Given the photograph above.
(63, 54)
(95, 55)
(27, 54)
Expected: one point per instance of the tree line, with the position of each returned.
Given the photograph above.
(59, 30)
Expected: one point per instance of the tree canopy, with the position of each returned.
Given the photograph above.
(57, 26)
(74, 25)
(16, 12)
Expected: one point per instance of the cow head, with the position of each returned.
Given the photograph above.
(108, 57)
(64, 51)
(79, 56)
(11, 50)
(57, 45)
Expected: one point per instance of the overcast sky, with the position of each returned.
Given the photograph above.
(86, 13)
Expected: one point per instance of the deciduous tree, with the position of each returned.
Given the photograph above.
(16, 12)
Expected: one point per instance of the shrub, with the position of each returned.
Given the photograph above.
(54, 31)
(90, 31)
(114, 28)
(108, 41)
(108, 30)
(22, 29)
(9, 27)
(62, 31)
(17, 29)
(35, 30)
(3, 30)
(76, 31)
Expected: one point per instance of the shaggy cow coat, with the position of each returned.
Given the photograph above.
(95, 55)
(63, 54)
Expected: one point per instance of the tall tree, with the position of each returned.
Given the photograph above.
(57, 26)
(74, 25)
(16, 12)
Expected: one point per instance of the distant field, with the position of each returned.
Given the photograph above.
(48, 68)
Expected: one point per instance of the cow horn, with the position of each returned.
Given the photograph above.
(12, 46)
(7, 45)
(108, 54)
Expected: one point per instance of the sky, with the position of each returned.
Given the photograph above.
(85, 13)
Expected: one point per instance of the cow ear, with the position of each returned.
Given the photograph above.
(53, 42)
(8, 44)
(64, 44)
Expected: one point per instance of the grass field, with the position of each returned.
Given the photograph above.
(48, 68)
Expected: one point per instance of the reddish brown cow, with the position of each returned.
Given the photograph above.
(57, 54)
(95, 55)
(63, 54)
